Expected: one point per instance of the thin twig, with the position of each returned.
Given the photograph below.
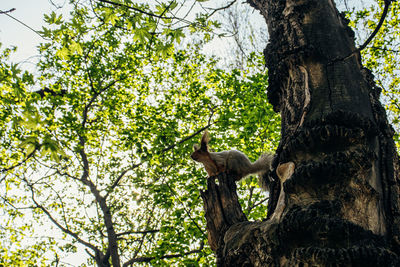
(221, 8)
(136, 9)
(19, 163)
(54, 221)
(24, 24)
(187, 211)
(148, 259)
(186, 138)
(139, 232)
(8, 11)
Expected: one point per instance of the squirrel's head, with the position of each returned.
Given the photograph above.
(201, 153)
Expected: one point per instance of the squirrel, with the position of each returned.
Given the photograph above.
(232, 161)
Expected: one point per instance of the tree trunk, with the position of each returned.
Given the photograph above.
(340, 207)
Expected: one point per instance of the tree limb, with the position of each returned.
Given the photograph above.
(46, 90)
(116, 182)
(107, 216)
(369, 39)
(94, 97)
(380, 23)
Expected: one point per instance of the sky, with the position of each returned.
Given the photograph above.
(13, 33)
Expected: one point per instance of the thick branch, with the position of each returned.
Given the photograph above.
(112, 238)
(222, 209)
(383, 16)
(46, 90)
(369, 39)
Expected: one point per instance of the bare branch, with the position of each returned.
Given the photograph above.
(380, 23)
(221, 8)
(55, 222)
(258, 203)
(56, 5)
(7, 11)
(90, 254)
(148, 259)
(186, 138)
(17, 20)
(136, 9)
(138, 232)
(116, 182)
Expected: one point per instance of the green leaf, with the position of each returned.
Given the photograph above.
(76, 47)
(63, 53)
(141, 35)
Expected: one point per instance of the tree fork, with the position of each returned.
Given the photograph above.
(340, 207)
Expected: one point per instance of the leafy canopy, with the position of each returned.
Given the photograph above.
(101, 135)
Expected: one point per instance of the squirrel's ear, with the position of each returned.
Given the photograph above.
(204, 141)
(196, 147)
(205, 138)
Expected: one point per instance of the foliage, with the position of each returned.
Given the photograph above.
(102, 135)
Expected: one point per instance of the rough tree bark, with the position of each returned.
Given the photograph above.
(340, 207)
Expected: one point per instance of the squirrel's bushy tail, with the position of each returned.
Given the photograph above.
(262, 166)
